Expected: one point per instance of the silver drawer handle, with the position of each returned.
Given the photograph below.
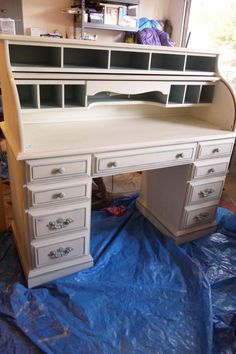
(60, 195)
(206, 193)
(201, 217)
(215, 151)
(60, 252)
(179, 156)
(59, 170)
(211, 170)
(112, 164)
(60, 223)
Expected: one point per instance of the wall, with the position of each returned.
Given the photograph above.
(47, 14)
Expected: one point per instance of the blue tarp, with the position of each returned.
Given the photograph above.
(145, 294)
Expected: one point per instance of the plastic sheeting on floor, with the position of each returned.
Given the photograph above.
(145, 294)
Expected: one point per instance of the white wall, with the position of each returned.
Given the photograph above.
(47, 14)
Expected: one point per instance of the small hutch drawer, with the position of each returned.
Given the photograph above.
(201, 192)
(58, 192)
(47, 222)
(196, 216)
(210, 168)
(58, 167)
(46, 254)
(217, 148)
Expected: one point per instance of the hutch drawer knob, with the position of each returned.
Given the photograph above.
(206, 193)
(60, 195)
(60, 223)
(201, 217)
(211, 170)
(60, 252)
(112, 164)
(60, 170)
(179, 156)
(215, 151)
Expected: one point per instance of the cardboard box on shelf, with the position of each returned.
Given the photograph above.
(111, 14)
(7, 26)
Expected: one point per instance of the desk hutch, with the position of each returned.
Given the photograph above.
(75, 110)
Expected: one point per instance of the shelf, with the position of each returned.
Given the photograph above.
(129, 60)
(85, 58)
(78, 95)
(102, 26)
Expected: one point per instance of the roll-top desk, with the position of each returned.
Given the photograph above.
(75, 110)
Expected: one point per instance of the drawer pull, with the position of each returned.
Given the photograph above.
(60, 252)
(206, 193)
(60, 223)
(59, 170)
(210, 171)
(112, 164)
(60, 195)
(215, 151)
(201, 217)
(179, 156)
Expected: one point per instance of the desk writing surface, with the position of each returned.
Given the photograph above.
(51, 139)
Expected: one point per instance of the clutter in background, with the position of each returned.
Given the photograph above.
(153, 32)
(7, 26)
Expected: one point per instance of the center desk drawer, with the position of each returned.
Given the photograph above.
(58, 167)
(142, 159)
(46, 222)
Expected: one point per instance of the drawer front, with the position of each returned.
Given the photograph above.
(47, 223)
(58, 167)
(211, 168)
(59, 192)
(205, 191)
(58, 252)
(199, 216)
(142, 159)
(215, 149)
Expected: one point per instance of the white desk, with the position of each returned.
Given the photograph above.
(77, 110)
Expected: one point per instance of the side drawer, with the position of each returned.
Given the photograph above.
(216, 148)
(46, 222)
(195, 216)
(78, 189)
(143, 159)
(210, 168)
(58, 167)
(202, 191)
(48, 253)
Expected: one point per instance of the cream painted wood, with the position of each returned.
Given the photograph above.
(195, 215)
(58, 167)
(202, 191)
(59, 192)
(218, 148)
(210, 168)
(47, 222)
(55, 252)
(143, 159)
(64, 125)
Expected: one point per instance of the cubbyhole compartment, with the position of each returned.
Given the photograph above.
(192, 94)
(161, 61)
(200, 63)
(88, 58)
(30, 55)
(129, 60)
(50, 96)
(74, 95)
(176, 94)
(28, 96)
(207, 94)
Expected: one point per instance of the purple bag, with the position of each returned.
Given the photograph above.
(153, 36)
